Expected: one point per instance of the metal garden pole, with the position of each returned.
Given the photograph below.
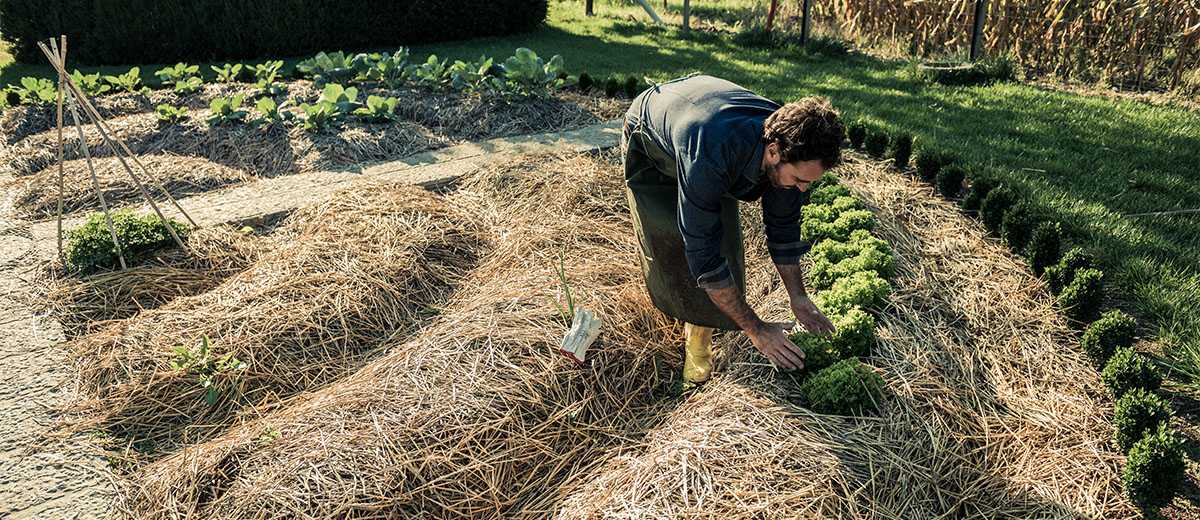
(977, 32)
(804, 24)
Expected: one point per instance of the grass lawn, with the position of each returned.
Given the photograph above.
(1092, 162)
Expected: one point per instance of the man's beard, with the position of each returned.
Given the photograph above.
(773, 174)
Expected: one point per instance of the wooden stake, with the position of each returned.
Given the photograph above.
(87, 156)
(62, 53)
(90, 111)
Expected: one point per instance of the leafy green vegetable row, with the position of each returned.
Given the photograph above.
(522, 74)
(1155, 467)
(850, 271)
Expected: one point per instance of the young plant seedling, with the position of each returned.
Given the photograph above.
(171, 114)
(391, 70)
(36, 91)
(90, 84)
(131, 81)
(200, 362)
(530, 75)
(335, 102)
(226, 110)
(433, 73)
(272, 113)
(183, 78)
(378, 109)
(471, 76)
(227, 73)
(334, 67)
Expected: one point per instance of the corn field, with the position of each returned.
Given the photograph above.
(1139, 44)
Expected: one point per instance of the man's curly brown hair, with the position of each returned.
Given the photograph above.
(806, 130)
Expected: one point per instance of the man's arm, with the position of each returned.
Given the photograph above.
(781, 216)
(768, 339)
(806, 312)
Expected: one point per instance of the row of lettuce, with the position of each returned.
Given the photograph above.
(522, 75)
(1155, 466)
(850, 271)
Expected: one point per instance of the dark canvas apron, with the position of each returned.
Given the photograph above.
(653, 194)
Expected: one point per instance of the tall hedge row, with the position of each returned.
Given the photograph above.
(160, 31)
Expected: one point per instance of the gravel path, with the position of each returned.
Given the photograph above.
(37, 479)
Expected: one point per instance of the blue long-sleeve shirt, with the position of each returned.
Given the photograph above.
(714, 130)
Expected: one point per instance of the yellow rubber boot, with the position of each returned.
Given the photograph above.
(697, 360)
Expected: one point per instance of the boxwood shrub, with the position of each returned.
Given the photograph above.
(980, 187)
(994, 206)
(876, 144)
(1061, 275)
(1155, 468)
(1114, 330)
(1017, 225)
(1081, 299)
(1127, 370)
(857, 133)
(950, 180)
(1044, 246)
(902, 147)
(1139, 412)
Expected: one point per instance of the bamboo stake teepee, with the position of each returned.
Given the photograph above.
(70, 95)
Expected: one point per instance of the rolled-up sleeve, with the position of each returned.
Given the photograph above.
(700, 192)
(781, 220)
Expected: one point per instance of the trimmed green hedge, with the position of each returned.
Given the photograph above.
(162, 31)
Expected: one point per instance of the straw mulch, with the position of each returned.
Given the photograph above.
(37, 195)
(17, 123)
(993, 412)
(85, 305)
(191, 157)
(472, 117)
(343, 278)
(478, 415)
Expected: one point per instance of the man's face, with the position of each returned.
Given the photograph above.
(796, 175)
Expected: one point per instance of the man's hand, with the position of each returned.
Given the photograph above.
(770, 340)
(810, 316)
